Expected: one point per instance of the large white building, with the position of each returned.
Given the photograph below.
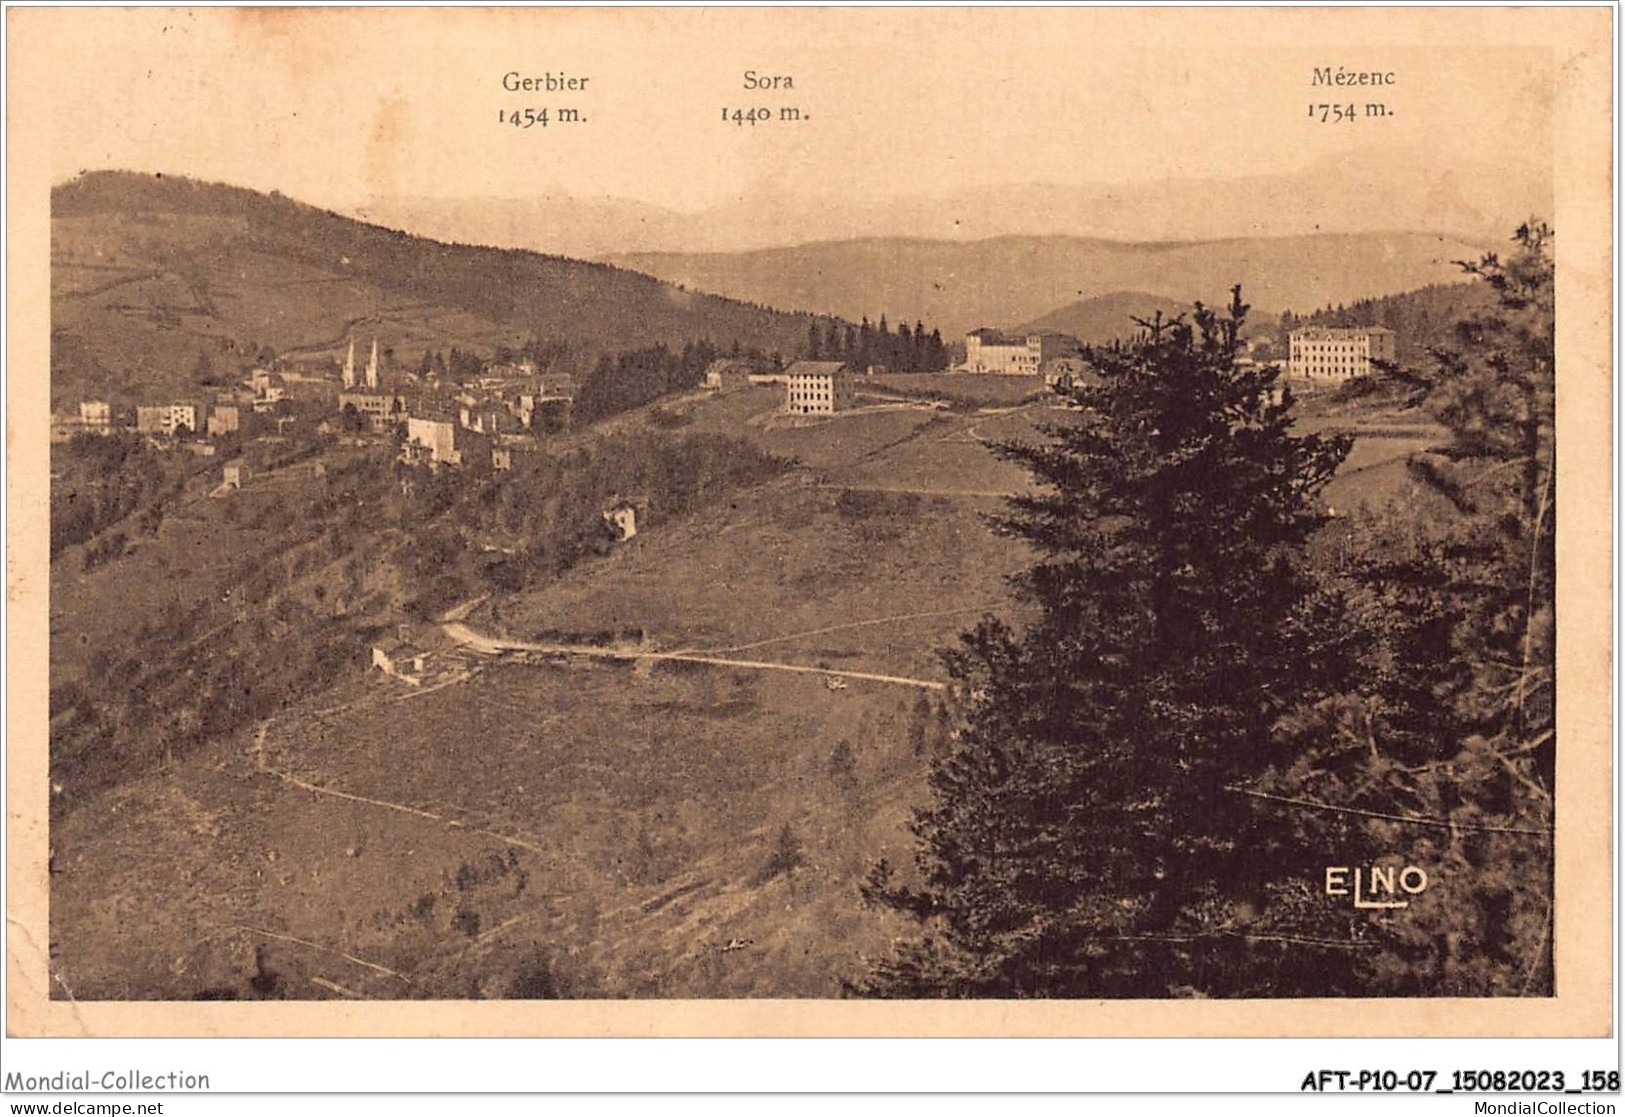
(988, 351)
(818, 388)
(1337, 353)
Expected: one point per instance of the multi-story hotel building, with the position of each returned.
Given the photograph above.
(988, 351)
(1337, 353)
(818, 388)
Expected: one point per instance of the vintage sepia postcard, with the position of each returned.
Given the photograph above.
(809, 522)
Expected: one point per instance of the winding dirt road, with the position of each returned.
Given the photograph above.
(461, 634)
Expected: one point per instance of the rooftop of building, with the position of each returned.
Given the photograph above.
(989, 336)
(815, 368)
(395, 647)
(1335, 332)
(736, 365)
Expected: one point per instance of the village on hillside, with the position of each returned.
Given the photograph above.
(287, 421)
(506, 408)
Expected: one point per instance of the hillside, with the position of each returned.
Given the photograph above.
(961, 286)
(528, 825)
(607, 820)
(155, 280)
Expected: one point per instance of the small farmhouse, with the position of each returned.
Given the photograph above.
(95, 415)
(622, 520)
(1068, 372)
(728, 373)
(224, 420)
(511, 452)
(168, 418)
(437, 436)
(394, 656)
(270, 388)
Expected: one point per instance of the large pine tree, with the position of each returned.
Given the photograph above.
(1086, 837)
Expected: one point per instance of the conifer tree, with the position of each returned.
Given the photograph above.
(1449, 721)
(1085, 837)
(832, 341)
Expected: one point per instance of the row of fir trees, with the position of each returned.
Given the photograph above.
(863, 345)
(1227, 691)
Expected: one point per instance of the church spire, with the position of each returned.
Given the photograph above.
(372, 366)
(349, 366)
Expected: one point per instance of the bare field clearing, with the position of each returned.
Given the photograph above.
(175, 879)
(829, 442)
(949, 458)
(1385, 437)
(917, 447)
(187, 556)
(961, 387)
(785, 559)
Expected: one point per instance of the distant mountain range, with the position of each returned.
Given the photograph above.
(1362, 191)
(154, 278)
(1008, 280)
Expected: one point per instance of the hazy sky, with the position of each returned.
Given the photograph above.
(338, 106)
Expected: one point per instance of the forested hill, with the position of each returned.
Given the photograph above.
(155, 277)
(1104, 318)
(1423, 319)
